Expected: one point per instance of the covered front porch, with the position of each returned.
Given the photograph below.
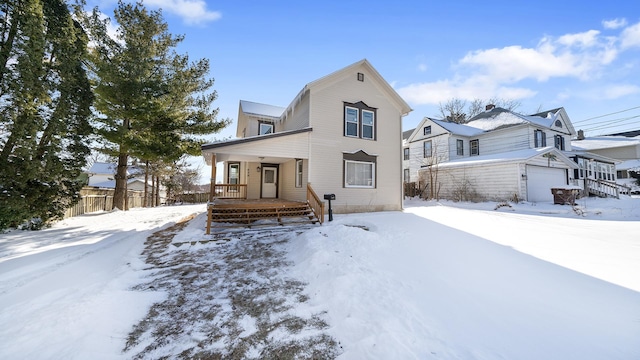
(263, 177)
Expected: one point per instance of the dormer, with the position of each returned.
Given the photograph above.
(257, 119)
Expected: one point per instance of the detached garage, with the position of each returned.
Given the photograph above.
(525, 175)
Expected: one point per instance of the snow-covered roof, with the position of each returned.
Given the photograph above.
(498, 118)
(633, 165)
(103, 168)
(605, 142)
(249, 107)
(111, 184)
(507, 157)
(459, 129)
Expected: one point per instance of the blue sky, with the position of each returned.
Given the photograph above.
(545, 54)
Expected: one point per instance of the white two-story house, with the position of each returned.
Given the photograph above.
(341, 134)
(500, 155)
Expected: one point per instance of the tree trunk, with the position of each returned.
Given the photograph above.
(158, 190)
(120, 192)
(146, 178)
(153, 190)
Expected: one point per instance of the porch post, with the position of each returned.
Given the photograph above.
(212, 187)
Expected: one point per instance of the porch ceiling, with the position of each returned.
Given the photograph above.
(275, 148)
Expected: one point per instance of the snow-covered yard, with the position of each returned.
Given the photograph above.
(439, 280)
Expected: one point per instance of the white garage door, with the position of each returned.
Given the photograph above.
(540, 180)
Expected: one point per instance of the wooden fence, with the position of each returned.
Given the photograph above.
(93, 200)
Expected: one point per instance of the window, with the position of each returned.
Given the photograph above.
(266, 128)
(426, 130)
(559, 142)
(359, 170)
(406, 175)
(427, 148)
(558, 123)
(539, 138)
(475, 147)
(359, 174)
(359, 121)
(406, 153)
(351, 122)
(299, 173)
(233, 176)
(459, 147)
(367, 124)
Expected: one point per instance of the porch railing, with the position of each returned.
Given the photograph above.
(315, 203)
(229, 191)
(605, 188)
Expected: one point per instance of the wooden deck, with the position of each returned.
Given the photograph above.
(228, 213)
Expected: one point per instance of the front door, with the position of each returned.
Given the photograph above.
(269, 182)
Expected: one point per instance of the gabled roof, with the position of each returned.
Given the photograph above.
(327, 80)
(263, 110)
(632, 133)
(499, 118)
(510, 157)
(459, 129)
(110, 169)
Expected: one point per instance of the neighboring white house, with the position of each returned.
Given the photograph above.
(102, 175)
(624, 147)
(341, 134)
(501, 155)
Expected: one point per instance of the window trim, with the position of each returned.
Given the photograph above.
(299, 172)
(475, 142)
(558, 142)
(346, 121)
(361, 108)
(406, 153)
(459, 147)
(426, 130)
(229, 166)
(373, 124)
(265, 123)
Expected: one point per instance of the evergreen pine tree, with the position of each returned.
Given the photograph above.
(45, 101)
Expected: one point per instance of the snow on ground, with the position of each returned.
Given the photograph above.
(437, 281)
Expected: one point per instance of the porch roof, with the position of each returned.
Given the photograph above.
(519, 156)
(271, 148)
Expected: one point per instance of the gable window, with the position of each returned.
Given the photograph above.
(426, 130)
(427, 148)
(299, 173)
(474, 145)
(265, 128)
(539, 138)
(406, 153)
(459, 147)
(359, 121)
(558, 123)
(559, 142)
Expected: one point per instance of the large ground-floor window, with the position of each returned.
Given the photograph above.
(359, 174)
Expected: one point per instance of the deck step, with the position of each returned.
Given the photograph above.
(263, 215)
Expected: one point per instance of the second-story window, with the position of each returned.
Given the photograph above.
(459, 147)
(265, 128)
(359, 121)
(539, 138)
(406, 153)
(428, 148)
(559, 142)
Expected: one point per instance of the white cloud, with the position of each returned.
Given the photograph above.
(630, 36)
(618, 91)
(191, 11)
(422, 67)
(614, 24)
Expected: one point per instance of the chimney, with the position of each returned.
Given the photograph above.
(580, 135)
(489, 107)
